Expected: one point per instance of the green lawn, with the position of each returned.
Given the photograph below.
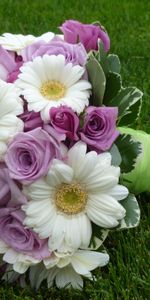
(128, 22)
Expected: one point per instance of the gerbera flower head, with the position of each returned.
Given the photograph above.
(67, 270)
(11, 106)
(85, 189)
(49, 82)
(17, 42)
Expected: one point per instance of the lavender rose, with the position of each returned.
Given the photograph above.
(10, 193)
(9, 66)
(18, 237)
(75, 54)
(29, 155)
(99, 129)
(64, 120)
(87, 34)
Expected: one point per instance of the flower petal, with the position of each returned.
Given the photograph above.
(84, 261)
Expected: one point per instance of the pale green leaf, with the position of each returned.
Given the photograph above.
(116, 157)
(97, 79)
(113, 63)
(129, 151)
(126, 98)
(132, 217)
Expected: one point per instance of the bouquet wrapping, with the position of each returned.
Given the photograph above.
(63, 154)
(138, 179)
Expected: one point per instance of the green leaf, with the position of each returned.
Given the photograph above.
(109, 63)
(96, 242)
(116, 157)
(97, 79)
(36, 275)
(131, 115)
(113, 63)
(113, 86)
(98, 236)
(10, 275)
(132, 217)
(102, 55)
(126, 98)
(129, 151)
(97, 23)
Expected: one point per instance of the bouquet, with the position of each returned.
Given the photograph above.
(63, 154)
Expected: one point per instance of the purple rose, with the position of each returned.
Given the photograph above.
(59, 137)
(18, 237)
(87, 34)
(99, 129)
(75, 54)
(29, 155)
(10, 193)
(64, 120)
(9, 67)
(31, 120)
(13, 76)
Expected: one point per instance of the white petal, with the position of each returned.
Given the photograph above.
(51, 261)
(75, 73)
(63, 262)
(101, 183)
(3, 247)
(38, 190)
(58, 232)
(47, 37)
(68, 277)
(59, 173)
(78, 231)
(119, 192)
(107, 204)
(16, 42)
(105, 159)
(11, 105)
(101, 219)
(86, 167)
(76, 155)
(81, 85)
(20, 267)
(10, 256)
(42, 226)
(84, 261)
(35, 208)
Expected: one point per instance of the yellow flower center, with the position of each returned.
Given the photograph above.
(53, 90)
(70, 198)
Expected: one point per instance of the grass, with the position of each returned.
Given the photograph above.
(128, 274)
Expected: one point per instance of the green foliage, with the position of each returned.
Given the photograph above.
(116, 157)
(110, 62)
(132, 217)
(99, 236)
(113, 63)
(97, 79)
(129, 151)
(128, 101)
(113, 86)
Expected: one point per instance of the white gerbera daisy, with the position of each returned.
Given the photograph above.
(19, 261)
(17, 42)
(49, 82)
(63, 204)
(10, 106)
(66, 269)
